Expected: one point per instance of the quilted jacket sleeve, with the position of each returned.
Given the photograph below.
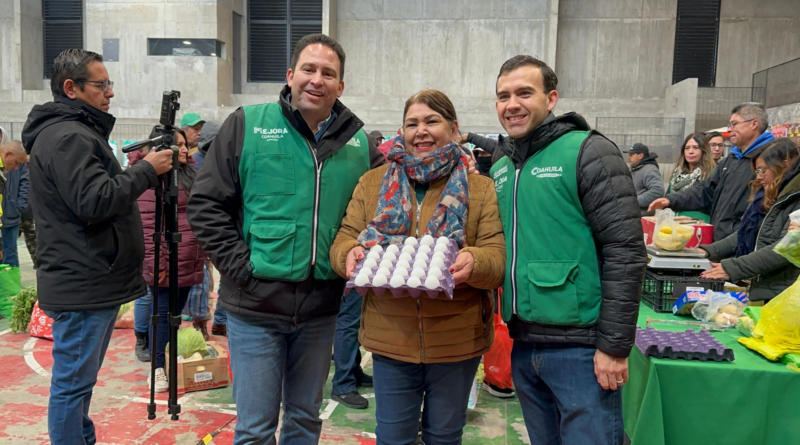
(609, 201)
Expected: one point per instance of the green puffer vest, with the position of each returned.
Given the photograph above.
(293, 204)
(552, 274)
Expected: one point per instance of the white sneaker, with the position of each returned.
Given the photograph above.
(162, 384)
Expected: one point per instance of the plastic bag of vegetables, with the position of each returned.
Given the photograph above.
(789, 247)
(668, 234)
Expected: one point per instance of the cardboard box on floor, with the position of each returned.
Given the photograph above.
(199, 375)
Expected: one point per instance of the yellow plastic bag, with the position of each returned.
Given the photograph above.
(780, 319)
(668, 234)
(777, 333)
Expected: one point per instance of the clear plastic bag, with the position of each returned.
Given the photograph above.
(719, 308)
(789, 247)
(668, 234)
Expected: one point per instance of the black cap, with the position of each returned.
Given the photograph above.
(376, 134)
(638, 148)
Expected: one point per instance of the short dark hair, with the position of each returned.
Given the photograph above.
(71, 64)
(548, 75)
(753, 110)
(713, 134)
(312, 39)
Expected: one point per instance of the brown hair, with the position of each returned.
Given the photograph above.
(707, 163)
(778, 156)
(549, 78)
(437, 101)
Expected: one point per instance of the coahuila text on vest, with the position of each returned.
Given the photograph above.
(547, 172)
(271, 134)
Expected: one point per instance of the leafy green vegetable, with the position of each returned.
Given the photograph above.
(22, 309)
(190, 340)
(789, 247)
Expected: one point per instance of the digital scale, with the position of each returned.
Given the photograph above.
(687, 258)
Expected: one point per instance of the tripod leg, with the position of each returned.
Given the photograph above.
(173, 237)
(151, 407)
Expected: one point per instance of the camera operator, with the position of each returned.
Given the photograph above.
(90, 244)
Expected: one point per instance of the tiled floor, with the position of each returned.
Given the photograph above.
(119, 401)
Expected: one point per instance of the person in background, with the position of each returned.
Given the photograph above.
(646, 176)
(694, 166)
(348, 374)
(747, 254)
(716, 143)
(90, 246)
(576, 262)
(426, 351)
(210, 130)
(266, 207)
(190, 256)
(483, 160)
(725, 195)
(192, 126)
(15, 201)
(378, 136)
(28, 229)
(12, 158)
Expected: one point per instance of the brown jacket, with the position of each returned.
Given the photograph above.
(423, 330)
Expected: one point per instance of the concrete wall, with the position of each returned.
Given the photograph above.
(615, 49)
(10, 67)
(755, 35)
(32, 44)
(787, 114)
(681, 101)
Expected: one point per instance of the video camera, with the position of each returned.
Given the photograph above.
(169, 105)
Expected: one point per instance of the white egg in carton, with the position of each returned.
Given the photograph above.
(391, 268)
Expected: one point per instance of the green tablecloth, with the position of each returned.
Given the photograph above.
(679, 402)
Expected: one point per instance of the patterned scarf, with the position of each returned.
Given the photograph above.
(681, 181)
(394, 215)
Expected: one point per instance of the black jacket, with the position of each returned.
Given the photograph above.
(769, 273)
(609, 201)
(724, 196)
(215, 213)
(89, 242)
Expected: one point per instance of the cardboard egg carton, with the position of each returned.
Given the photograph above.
(444, 282)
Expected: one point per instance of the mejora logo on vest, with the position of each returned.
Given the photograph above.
(271, 134)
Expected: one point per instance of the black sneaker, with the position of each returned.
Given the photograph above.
(498, 392)
(351, 400)
(365, 381)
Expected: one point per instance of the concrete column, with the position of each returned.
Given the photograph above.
(681, 101)
(551, 33)
(329, 17)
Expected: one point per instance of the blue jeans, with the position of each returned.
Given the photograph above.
(80, 340)
(345, 345)
(163, 321)
(10, 255)
(220, 315)
(399, 391)
(562, 403)
(273, 360)
(142, 308)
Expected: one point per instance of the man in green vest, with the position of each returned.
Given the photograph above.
(575, 265)
(266, 207)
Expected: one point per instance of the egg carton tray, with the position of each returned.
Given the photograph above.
(687, 345)
(444, 289)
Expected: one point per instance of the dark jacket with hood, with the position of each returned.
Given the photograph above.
(769, 273)
(210, 130)
(647, 182)
(89, 243)
(216, 215)
(609, 202)
(726, 194)
(16, 197)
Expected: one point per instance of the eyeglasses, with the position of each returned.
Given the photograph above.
(733, 124)
(761, 171)
(716, 145)
(104, 85)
